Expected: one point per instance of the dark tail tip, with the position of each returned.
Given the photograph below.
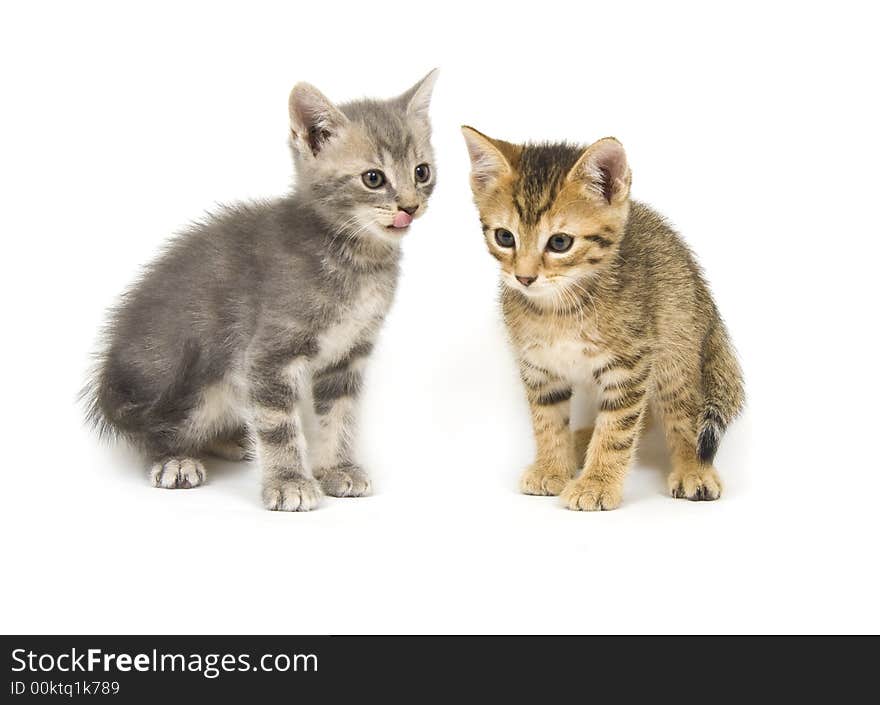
(710, 436)
(707, 444)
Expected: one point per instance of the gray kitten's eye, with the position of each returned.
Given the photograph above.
(373, 178)
(423, 173)
(560, 243)
(504, 238)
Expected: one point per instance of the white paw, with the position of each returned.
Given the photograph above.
(299, 494)
(177, 473)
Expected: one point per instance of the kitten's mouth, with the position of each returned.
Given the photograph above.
(401, 221)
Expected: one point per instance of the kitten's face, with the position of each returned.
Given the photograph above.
(368, 164)
(552, 215)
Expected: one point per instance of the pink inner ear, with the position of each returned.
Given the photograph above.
(610, 163)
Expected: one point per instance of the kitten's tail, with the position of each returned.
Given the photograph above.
(723, 394)
(117, 410)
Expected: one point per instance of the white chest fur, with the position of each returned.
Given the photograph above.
(566, 354)
(357, 322)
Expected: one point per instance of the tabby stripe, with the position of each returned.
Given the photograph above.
(332, 387)
(555, 397)
(630, 382)
(627, 422)
(630, 398)
(535, 367)
(279, 435)
(620, 446)
(358, 351)
(627, 362)
(279, 396)
(599, 240)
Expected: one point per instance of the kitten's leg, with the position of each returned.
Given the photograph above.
(581, 438)
(276, 389)
(550, 402)
(690, 478)
(335, 392)
(623, 389)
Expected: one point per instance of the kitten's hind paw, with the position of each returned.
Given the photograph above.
(231, 449)
(699, 485)
(177, 473)
(296, 494)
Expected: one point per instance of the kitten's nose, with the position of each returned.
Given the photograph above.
(409, 210)
(525, 281)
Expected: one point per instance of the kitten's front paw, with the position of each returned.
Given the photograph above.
(698, 485)
(592, 494)
(177, 473)
(296, 494)
(543, 481)
(345, 481)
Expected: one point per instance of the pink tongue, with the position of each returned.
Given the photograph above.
(402, 219)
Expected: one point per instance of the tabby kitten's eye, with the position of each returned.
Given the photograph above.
(560, 243)
(504, 238)
(373, 178)
(423, 173)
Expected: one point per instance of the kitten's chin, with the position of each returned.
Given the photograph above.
(385, 234)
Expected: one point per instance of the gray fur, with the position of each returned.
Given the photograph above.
(229, 326)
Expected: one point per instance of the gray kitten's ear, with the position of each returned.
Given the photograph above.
(418, 98)
(488, 158)
(313, 118)
(603, 169)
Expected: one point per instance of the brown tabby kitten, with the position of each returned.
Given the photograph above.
(598, 289)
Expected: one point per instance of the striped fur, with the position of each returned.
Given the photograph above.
(625, 309)
(262, 317)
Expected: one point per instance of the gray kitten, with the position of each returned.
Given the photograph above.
(267, 312)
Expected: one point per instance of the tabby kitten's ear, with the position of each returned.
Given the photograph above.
(603, 169)
(314, 120)
(418, 98)
(489, 160)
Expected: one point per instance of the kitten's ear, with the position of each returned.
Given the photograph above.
(418, 98)
(488, 160)
(603, 169)
(313, 118)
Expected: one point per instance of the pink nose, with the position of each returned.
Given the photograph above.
(402, 219)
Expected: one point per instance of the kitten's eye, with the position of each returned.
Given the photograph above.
(373, 178)
(423, 173)
(560, 243)
(504, 238)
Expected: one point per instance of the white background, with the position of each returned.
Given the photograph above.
(754, 128)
